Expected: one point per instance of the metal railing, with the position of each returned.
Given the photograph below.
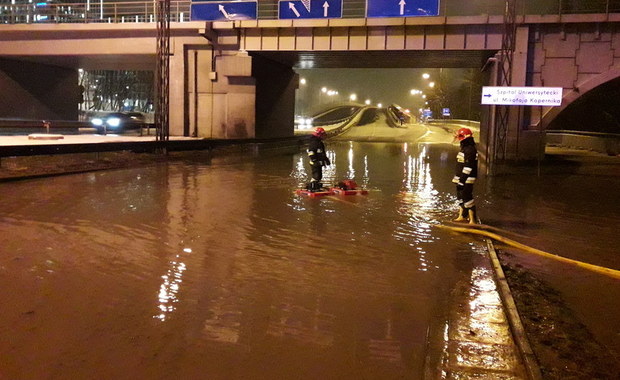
(102, 12)
(144, 11)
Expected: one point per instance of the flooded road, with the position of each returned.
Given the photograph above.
(571, 210)
(215, 269)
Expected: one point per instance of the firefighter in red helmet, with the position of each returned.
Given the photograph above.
(465, 175)
(318, 159)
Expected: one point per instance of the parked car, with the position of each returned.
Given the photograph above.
(119, 122)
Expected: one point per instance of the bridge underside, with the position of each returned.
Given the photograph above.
(293, 59)
(93, 61)
(378, 58)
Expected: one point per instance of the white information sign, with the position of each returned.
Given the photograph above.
(522, 96)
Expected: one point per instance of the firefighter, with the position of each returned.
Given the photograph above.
(465, 175)
(318, 159)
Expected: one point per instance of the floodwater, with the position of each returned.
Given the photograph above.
(215, 269)
(572, 209)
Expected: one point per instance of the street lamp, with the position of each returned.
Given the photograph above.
(302, 81)
(353, 97)
(431, 84)
(367, 102)
(426, 75)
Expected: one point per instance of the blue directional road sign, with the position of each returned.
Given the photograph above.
(224, 10)
(309, 9)
(401, 8)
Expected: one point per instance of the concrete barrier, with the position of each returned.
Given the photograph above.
(607, 143)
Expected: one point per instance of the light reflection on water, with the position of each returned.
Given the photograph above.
(344, 287)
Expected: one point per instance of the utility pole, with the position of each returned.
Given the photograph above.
(504, 78)
(162, 75)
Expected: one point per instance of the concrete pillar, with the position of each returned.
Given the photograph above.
(212, 94)
(523, 143)
(177, 88)
(275, 102)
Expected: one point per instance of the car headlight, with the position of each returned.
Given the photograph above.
(97, 122)
(114, 122)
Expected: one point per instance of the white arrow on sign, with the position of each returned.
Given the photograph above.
(221, 8)
(402, 7)
(325, 8)
(291, 6)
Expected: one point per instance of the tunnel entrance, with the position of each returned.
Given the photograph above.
(437, 83)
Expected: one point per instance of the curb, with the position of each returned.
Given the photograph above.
(530, 363)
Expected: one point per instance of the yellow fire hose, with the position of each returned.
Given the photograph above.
(471, 229)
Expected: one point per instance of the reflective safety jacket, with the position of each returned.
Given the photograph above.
(316, 152)
(466, 163)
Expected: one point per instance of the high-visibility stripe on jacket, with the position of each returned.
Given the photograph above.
(466, 163)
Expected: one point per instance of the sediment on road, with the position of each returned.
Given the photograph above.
(563, 346)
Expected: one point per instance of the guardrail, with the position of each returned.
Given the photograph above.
(348, 122)
(469, 123)
(17, 126)
(21, 127)
(608, 143)
(144, 11)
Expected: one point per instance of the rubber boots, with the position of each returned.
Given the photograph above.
(473, 218)
(461, 217)
(314, 186)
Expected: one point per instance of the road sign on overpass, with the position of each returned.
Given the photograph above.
(309, 9)
(224, 10)
(401, 8)
(522, 96)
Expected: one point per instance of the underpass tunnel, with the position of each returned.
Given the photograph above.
(594, 111)
(292, 85)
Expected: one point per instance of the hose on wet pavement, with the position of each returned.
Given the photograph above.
(472, 229)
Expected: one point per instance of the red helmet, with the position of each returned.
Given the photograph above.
(319, 132)
(463, 133)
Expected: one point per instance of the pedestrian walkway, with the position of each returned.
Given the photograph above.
(20, 140)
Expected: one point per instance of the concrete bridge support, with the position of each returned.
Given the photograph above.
(213, 95)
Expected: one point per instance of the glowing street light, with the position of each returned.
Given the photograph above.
(302, 81)
(367, 102)
(379, 105)
(353, 97)
(426, 75)
(324, 90)
(431, 84)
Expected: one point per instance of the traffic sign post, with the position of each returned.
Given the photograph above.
(401, 8)
(306, 9)
(224, 10)
(522, 96)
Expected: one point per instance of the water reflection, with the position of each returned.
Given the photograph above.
(238, 267)
(169, 288)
